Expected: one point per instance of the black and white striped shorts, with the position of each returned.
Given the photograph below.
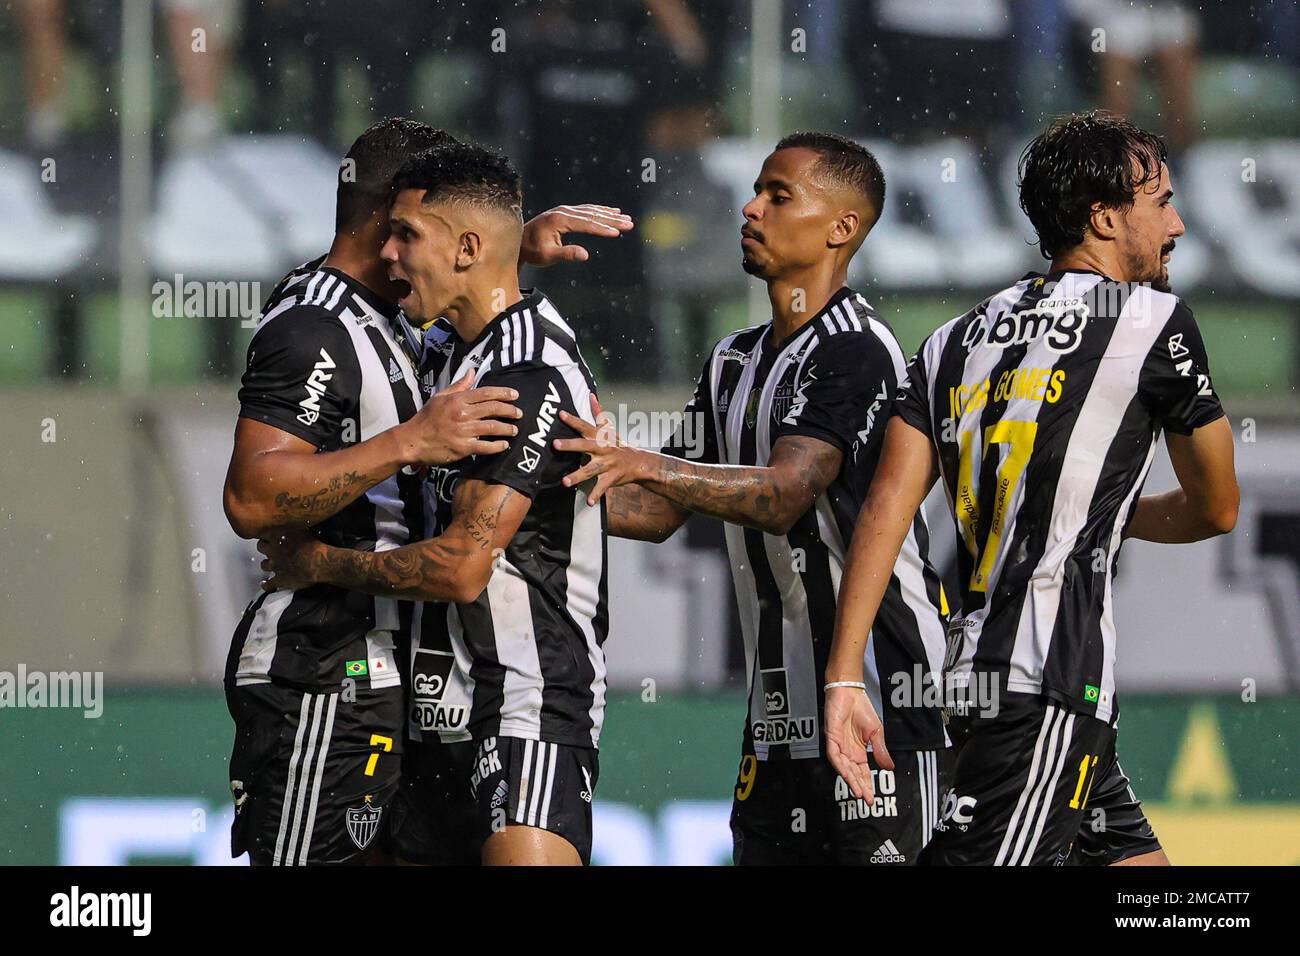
(1021, 783)
(313, 774)
(533, 783)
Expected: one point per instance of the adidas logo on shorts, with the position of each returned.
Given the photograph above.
(500, 795)
(888, 853)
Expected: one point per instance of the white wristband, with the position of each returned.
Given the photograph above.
(845, 683)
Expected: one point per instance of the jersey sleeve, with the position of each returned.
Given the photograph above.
(531, 464)
(1175, 381)
(843, 392)
(696, 438)
(302, 376)
(912, 401)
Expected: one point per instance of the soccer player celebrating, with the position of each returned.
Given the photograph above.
(790, 417)
(327, 437)
(520, 557)
(1040, 410)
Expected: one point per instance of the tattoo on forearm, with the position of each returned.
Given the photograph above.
(752, 495)
(636, 512)
(414, 571)
(338, 490)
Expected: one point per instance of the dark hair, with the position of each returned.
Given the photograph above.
(1082, 159)
(464, 172)
(365, 182)
(845, 161)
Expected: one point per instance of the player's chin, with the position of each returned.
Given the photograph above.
(1161, 282)
(753, 266)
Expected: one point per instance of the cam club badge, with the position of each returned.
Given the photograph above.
(363, 823)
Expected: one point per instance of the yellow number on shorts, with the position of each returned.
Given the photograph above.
(385, 744)
(748, 771)
(1020, 436)
(1084, 766)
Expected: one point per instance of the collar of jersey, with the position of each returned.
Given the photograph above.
(532, 298)
(1057, 273)
(387, 309)
(836, 298)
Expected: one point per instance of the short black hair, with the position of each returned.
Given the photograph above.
(1080, 160)
(366, 173)
(464, 172)
(845, 161)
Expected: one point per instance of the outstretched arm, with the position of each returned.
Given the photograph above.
(455, 566)
(767, 498)
(903, 478)
(542, 243)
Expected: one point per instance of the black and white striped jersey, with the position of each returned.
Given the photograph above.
(834, 379)
(330, 363)
(1044, 403)
(526, 658)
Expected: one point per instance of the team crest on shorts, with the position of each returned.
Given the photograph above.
(363, 823)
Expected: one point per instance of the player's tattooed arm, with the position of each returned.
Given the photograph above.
(278, 481)
(543, 245)
(455, 566)
(769, 498)
(636, 512)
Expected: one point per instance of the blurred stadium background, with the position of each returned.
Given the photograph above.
(163, 163)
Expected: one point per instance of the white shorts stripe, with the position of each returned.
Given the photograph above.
(1044, 733)
(521, 807)
(304, 784)
(1051, 791)
(293, 772)
(320, 772)
(550, 785)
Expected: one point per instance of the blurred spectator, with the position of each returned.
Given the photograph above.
(45, 50)
(199, 58)
(1164, 31)
(198, 36)
(942, 67)
(289, 41)
(577, 79)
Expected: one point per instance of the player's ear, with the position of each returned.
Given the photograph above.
(469, 249)
(844, 228)
(1104, 220)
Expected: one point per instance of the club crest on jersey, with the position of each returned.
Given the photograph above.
(1059, 324)
(316, 384)
(363, 823)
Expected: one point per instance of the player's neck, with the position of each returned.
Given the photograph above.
(354, 256)
(471, 313)
(1085, 259)
(797, 299)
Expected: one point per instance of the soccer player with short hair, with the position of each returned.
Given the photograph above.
(791, 415)
(1040, 411)
(519, 558)
(330, 429)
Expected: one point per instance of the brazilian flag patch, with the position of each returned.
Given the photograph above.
(1091, 692)
(361, 669)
